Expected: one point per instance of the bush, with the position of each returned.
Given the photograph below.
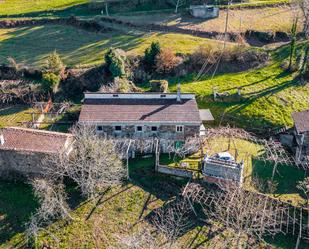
(115, 62)
(50, 82)
(150, 55)
(166, 61)
(200, 56)
(159, 86)
(54, 64)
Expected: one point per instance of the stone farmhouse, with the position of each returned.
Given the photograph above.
(22, 150)
(301, 134)
(170, 116)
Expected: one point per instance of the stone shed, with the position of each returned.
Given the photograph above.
(22, 150)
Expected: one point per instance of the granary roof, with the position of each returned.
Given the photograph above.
(140, 108)
(32, 140)
(301, 121)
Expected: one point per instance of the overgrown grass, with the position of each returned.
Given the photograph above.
(31, 45)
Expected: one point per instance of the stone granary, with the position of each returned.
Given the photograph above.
(169, 116)
(22, 150)
(301, 134)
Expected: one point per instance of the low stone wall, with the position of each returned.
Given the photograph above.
(175, 172)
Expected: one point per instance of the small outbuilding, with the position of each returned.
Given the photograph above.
(23, 150)
(204, 11)
(222, 167)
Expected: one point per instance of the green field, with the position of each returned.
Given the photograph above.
(97, 224)
(10, 116)
(18, 7)
(67, 7)
(269, 94)
(31, 45)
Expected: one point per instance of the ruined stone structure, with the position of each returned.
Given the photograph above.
(22, 150)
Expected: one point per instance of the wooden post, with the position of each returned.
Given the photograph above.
(128, 159)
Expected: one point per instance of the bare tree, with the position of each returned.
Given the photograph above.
(304, 6)
(142, 238)
(93, 163)
(173, 219)
(53, 205)
(304, 187)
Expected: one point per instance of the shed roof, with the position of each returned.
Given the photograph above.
(136, 109)
(301, 121)
(32, 140)
(206, 115)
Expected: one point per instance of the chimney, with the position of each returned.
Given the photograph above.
(178, 93)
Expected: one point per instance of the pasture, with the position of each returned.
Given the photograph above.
(118, 212)
(79, 48)
(12, 115)
(269, 94)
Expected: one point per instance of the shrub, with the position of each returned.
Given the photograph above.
(166, 61)
(50, 82)
(159, 85)
(115, 62)
(54, 64)
(150, 55)
(201, 55)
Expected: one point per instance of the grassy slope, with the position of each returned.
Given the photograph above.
(10, 116)
(269, 94)
(118, 212)
(81, 48)
(15, 7)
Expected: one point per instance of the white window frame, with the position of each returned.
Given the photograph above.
(180, 128)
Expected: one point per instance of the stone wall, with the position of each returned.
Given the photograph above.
(164, 131)
(21, 163)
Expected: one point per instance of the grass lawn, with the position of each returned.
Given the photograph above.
(10, 116)
(20, 7)
(81, 48)
(274, 19)
(118, 213)
(269, 94)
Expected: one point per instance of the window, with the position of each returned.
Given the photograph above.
(154, 128)
(139, 128)
(179, 128)
(118, 128)
(100, 128)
